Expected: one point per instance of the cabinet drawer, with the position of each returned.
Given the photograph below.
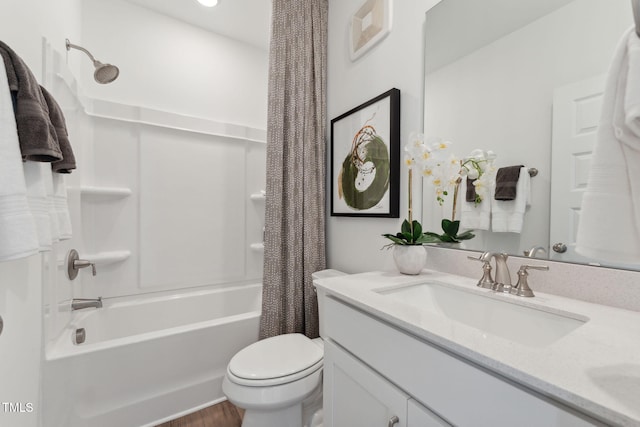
(460, 392)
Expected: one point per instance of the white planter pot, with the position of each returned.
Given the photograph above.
(410, 259)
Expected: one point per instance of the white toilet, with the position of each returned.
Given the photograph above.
(278, 381)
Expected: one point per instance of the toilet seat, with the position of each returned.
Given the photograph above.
(274, 361)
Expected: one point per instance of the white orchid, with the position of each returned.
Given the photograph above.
(445, 170)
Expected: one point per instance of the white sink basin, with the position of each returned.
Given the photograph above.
(490, 313)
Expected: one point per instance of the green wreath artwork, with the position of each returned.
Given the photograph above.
(364, 177)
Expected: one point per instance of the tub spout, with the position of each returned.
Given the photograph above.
(80, 303)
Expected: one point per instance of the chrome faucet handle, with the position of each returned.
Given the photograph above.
(522, 288)
(82, 263)
(74, 263)
(486, 281)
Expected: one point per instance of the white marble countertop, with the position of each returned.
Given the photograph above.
(594, 368)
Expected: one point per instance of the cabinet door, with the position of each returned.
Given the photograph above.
(355, 396)
(419, 416)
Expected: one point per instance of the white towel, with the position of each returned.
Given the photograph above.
(38, 203)
(62, 206)
(474, 216)
(51, 206)
(17, 228)
(508, 215)
(610, 216)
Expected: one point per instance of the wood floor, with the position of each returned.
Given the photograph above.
(224, 414)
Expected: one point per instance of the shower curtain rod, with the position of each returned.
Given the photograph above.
(635, 5)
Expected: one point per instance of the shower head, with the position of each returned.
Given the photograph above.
(105, 73)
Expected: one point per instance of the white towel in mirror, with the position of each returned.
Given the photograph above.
(609, 226)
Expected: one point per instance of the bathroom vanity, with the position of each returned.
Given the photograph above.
(435, 350)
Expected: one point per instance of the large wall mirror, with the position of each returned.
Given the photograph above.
(524, 79)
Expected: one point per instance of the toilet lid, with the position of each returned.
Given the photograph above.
(275, 357)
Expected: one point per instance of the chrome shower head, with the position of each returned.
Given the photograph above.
(105, 73)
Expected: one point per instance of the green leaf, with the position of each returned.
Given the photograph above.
(408, 237)
(466, 235)
(417, 230)
(450, 227)
(406, 227)
(395, 240)
(426, 238)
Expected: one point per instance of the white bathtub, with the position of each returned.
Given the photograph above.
(147, 359)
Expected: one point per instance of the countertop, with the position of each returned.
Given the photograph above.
(594, 369)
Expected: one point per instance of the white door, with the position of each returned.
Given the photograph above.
(576, 112)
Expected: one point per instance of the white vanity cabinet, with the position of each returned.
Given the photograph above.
(375, 371)
(356, 396)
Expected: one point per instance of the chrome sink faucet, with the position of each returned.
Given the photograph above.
(531, 252)
(502, 282)
(80, 303)
(503, 276)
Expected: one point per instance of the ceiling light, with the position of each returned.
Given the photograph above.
(208, 3)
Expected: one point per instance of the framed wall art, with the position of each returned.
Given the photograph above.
(370, 24)
(365, 159)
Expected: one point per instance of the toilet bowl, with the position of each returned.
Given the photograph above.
(278, 381)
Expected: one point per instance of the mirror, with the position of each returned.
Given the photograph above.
(497, 75)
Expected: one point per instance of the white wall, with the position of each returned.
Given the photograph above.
(169, 65)
(354, 244)
(500, 98)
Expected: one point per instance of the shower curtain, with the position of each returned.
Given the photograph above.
(294, 244)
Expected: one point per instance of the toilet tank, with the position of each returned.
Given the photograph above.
(323, 274)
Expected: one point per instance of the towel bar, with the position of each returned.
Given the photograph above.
(533, 172)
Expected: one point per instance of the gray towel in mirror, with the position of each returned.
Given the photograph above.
(506, 182)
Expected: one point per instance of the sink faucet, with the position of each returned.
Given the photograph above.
(503, 277)
(80, 303)
(531, 253)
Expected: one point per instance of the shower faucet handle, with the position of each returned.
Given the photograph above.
(74, 263)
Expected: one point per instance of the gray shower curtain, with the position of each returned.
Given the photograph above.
(294, 244)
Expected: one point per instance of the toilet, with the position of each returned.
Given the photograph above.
(278, 380)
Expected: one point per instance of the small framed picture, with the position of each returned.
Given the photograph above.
(370, 24)
(365, 159)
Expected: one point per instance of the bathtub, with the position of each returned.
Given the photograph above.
(147, 359)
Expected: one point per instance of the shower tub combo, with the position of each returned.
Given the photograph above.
(147, 359)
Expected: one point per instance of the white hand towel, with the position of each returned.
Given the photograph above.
(61, 205)
(474, 216)
(508, 215)
(38, 204)
(610, 216)
(51, 206)
(17, 228)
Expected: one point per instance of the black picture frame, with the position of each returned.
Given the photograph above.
(365, 179)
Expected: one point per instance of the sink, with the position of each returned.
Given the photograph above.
(490, 313)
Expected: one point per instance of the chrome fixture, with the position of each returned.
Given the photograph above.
(105, 73)
(74, 263)
(1, 325)
(79, 336)
(560, 248)
(531, 252)
(503, 277)
(81, 303)
(522, 288)
(532, 172)
(393, 421)
(486, 281)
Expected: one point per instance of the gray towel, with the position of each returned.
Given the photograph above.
(37, 135)
(68, 162)
(471, 194)
(506, 182)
